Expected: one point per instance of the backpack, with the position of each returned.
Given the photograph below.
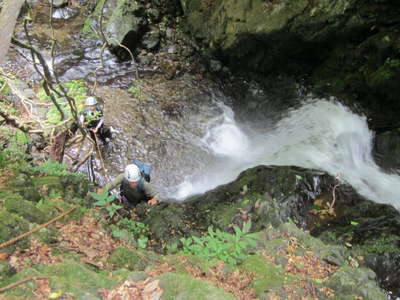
(144, 168)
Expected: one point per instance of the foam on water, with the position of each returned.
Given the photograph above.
(320, 134)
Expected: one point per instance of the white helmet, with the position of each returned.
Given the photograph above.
(132, 173)
(91, 101)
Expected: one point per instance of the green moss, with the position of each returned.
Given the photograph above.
(378, 78)
(11, 226)
(68, 277)
(387, 243)
(5, 270)
(183, 286)
(268, 275)
(360, 281)
(24, 291)
(136, 260)
(14, 203)
(47, 235)
(74, 277)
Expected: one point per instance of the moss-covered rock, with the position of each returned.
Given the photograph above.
(270, 195)
(370, 230)
(14, 203)
(137, 260)
(349, 281)
(12, 226)
(183, 286)
(35, 187)
(268, 275)
(67, 277)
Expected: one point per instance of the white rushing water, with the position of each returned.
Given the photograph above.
(320, 134)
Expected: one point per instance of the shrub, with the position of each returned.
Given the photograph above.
(218, 245)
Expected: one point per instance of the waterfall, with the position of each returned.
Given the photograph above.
(319, 134)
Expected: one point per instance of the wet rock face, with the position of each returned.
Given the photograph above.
(133, 24)
(350, 47)
(266, 195)
(387, 147)
(266, 33)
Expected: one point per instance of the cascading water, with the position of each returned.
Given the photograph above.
(319, 134)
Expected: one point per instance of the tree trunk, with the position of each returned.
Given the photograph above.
(8, 18)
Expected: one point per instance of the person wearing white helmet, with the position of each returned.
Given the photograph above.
(133, 186)
(92, 119)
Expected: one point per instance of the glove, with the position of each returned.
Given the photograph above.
(152, 201)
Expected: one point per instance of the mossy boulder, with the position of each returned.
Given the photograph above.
(67, 277)
(348, 281)
(263, 36)
(14, 203)
(135, 260)
(12, 226)
(183, 286)
(370, 230)
(126, 25)
(269, 195)
(268, 275)
(35, 187)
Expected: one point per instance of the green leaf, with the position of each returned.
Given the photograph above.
(246, 227)
(117, 233)
(237, 230)
(142, 242)
(98, 197)
(354, 223)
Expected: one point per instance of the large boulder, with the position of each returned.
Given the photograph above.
(371, 231)
(266, 195)
(127, 25)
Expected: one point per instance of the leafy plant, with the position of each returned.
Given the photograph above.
(4, 88)
(107, 201)
(219, 245)
(139, 231)
(50, 168)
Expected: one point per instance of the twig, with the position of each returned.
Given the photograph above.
(13, 285)
(100, 156)
(12, 241)
(84, 159)
(130, 53)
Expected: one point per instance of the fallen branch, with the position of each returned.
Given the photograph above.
(12, 241)
(13, 285)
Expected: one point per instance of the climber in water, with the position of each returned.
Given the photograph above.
(92, 118)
